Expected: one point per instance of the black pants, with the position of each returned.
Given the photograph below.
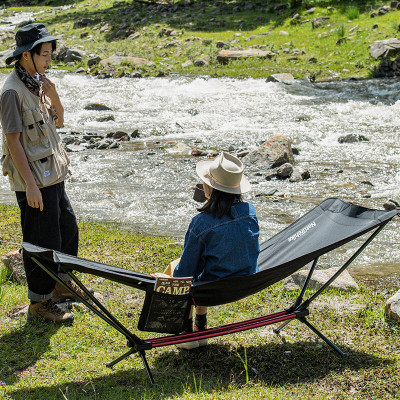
(54, 228)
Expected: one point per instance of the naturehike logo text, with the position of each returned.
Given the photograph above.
(302, 232)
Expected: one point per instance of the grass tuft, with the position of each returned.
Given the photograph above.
(352, 13)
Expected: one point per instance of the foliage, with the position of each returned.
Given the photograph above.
(352, 12)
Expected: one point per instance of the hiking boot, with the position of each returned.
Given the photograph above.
(48, 310)
(60, 294)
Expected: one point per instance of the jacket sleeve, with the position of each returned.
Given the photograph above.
(191, 260)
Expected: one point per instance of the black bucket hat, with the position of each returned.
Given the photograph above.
(28, 37)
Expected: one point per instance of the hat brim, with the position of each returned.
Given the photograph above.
(19, 50)
(202, 170)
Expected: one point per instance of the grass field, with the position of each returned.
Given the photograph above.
(46, 361)
(337, 49)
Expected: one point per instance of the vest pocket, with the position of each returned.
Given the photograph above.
(35, 137)
(29, 126)
(49, 170)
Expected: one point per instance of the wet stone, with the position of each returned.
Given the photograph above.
(97, 107)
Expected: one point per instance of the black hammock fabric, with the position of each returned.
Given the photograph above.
(326, 227)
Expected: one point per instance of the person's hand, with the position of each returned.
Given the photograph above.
(159, 275)
(49, 88)
(34, 197)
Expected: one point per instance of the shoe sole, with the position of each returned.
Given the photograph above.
(188, 345)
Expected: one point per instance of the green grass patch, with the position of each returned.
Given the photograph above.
(46, 361)
(197, 27)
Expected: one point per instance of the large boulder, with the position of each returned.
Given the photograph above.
(343, 282)
(273, 153)
(388, 68)
(66, 54)
(385, 48)
(392, 308)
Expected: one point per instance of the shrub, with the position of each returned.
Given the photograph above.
(352, 12)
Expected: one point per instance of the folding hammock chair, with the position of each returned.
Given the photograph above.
(328, 226)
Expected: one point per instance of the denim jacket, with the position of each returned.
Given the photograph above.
(217, 248)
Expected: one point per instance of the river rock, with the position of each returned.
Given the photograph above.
(285, 170)
(299, 174)
(94, 60)
(83, 23)
(68, 139)
(118, 60)
(343, 282)
(391, 205)
(221, 45)
(74, 148)
(180, 149)
(135, 134)
(107, 118)
(196, 152)
(14, 263)
(186, 64)
(242, 153)
(71, 55)
(134, 36)
(316, 22)
(119, 135)
(103, 144)
(201, 62)
(114, 145)
(225, 55)
(352, 138)
(271, 154)
(385, 48)
(383, 10)
(286, 78)
(97, 107)
(392, 308)
(310, 11)
(388, 68)
(166, 32)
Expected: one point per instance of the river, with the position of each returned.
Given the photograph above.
(146, 188)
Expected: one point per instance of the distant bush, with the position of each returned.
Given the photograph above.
(352, 12)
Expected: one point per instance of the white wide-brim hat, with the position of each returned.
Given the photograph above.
(224, 173)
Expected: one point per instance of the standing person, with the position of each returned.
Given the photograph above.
(37, 166)
(222, 240)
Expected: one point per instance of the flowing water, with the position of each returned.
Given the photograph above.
(147, 187)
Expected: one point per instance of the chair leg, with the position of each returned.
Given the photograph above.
(146, 366)
(117, 360)
(143, 357)
(277, 331)
(322, 336)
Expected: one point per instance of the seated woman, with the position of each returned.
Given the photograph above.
(221, 241)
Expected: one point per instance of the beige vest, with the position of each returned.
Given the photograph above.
(42, 144)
